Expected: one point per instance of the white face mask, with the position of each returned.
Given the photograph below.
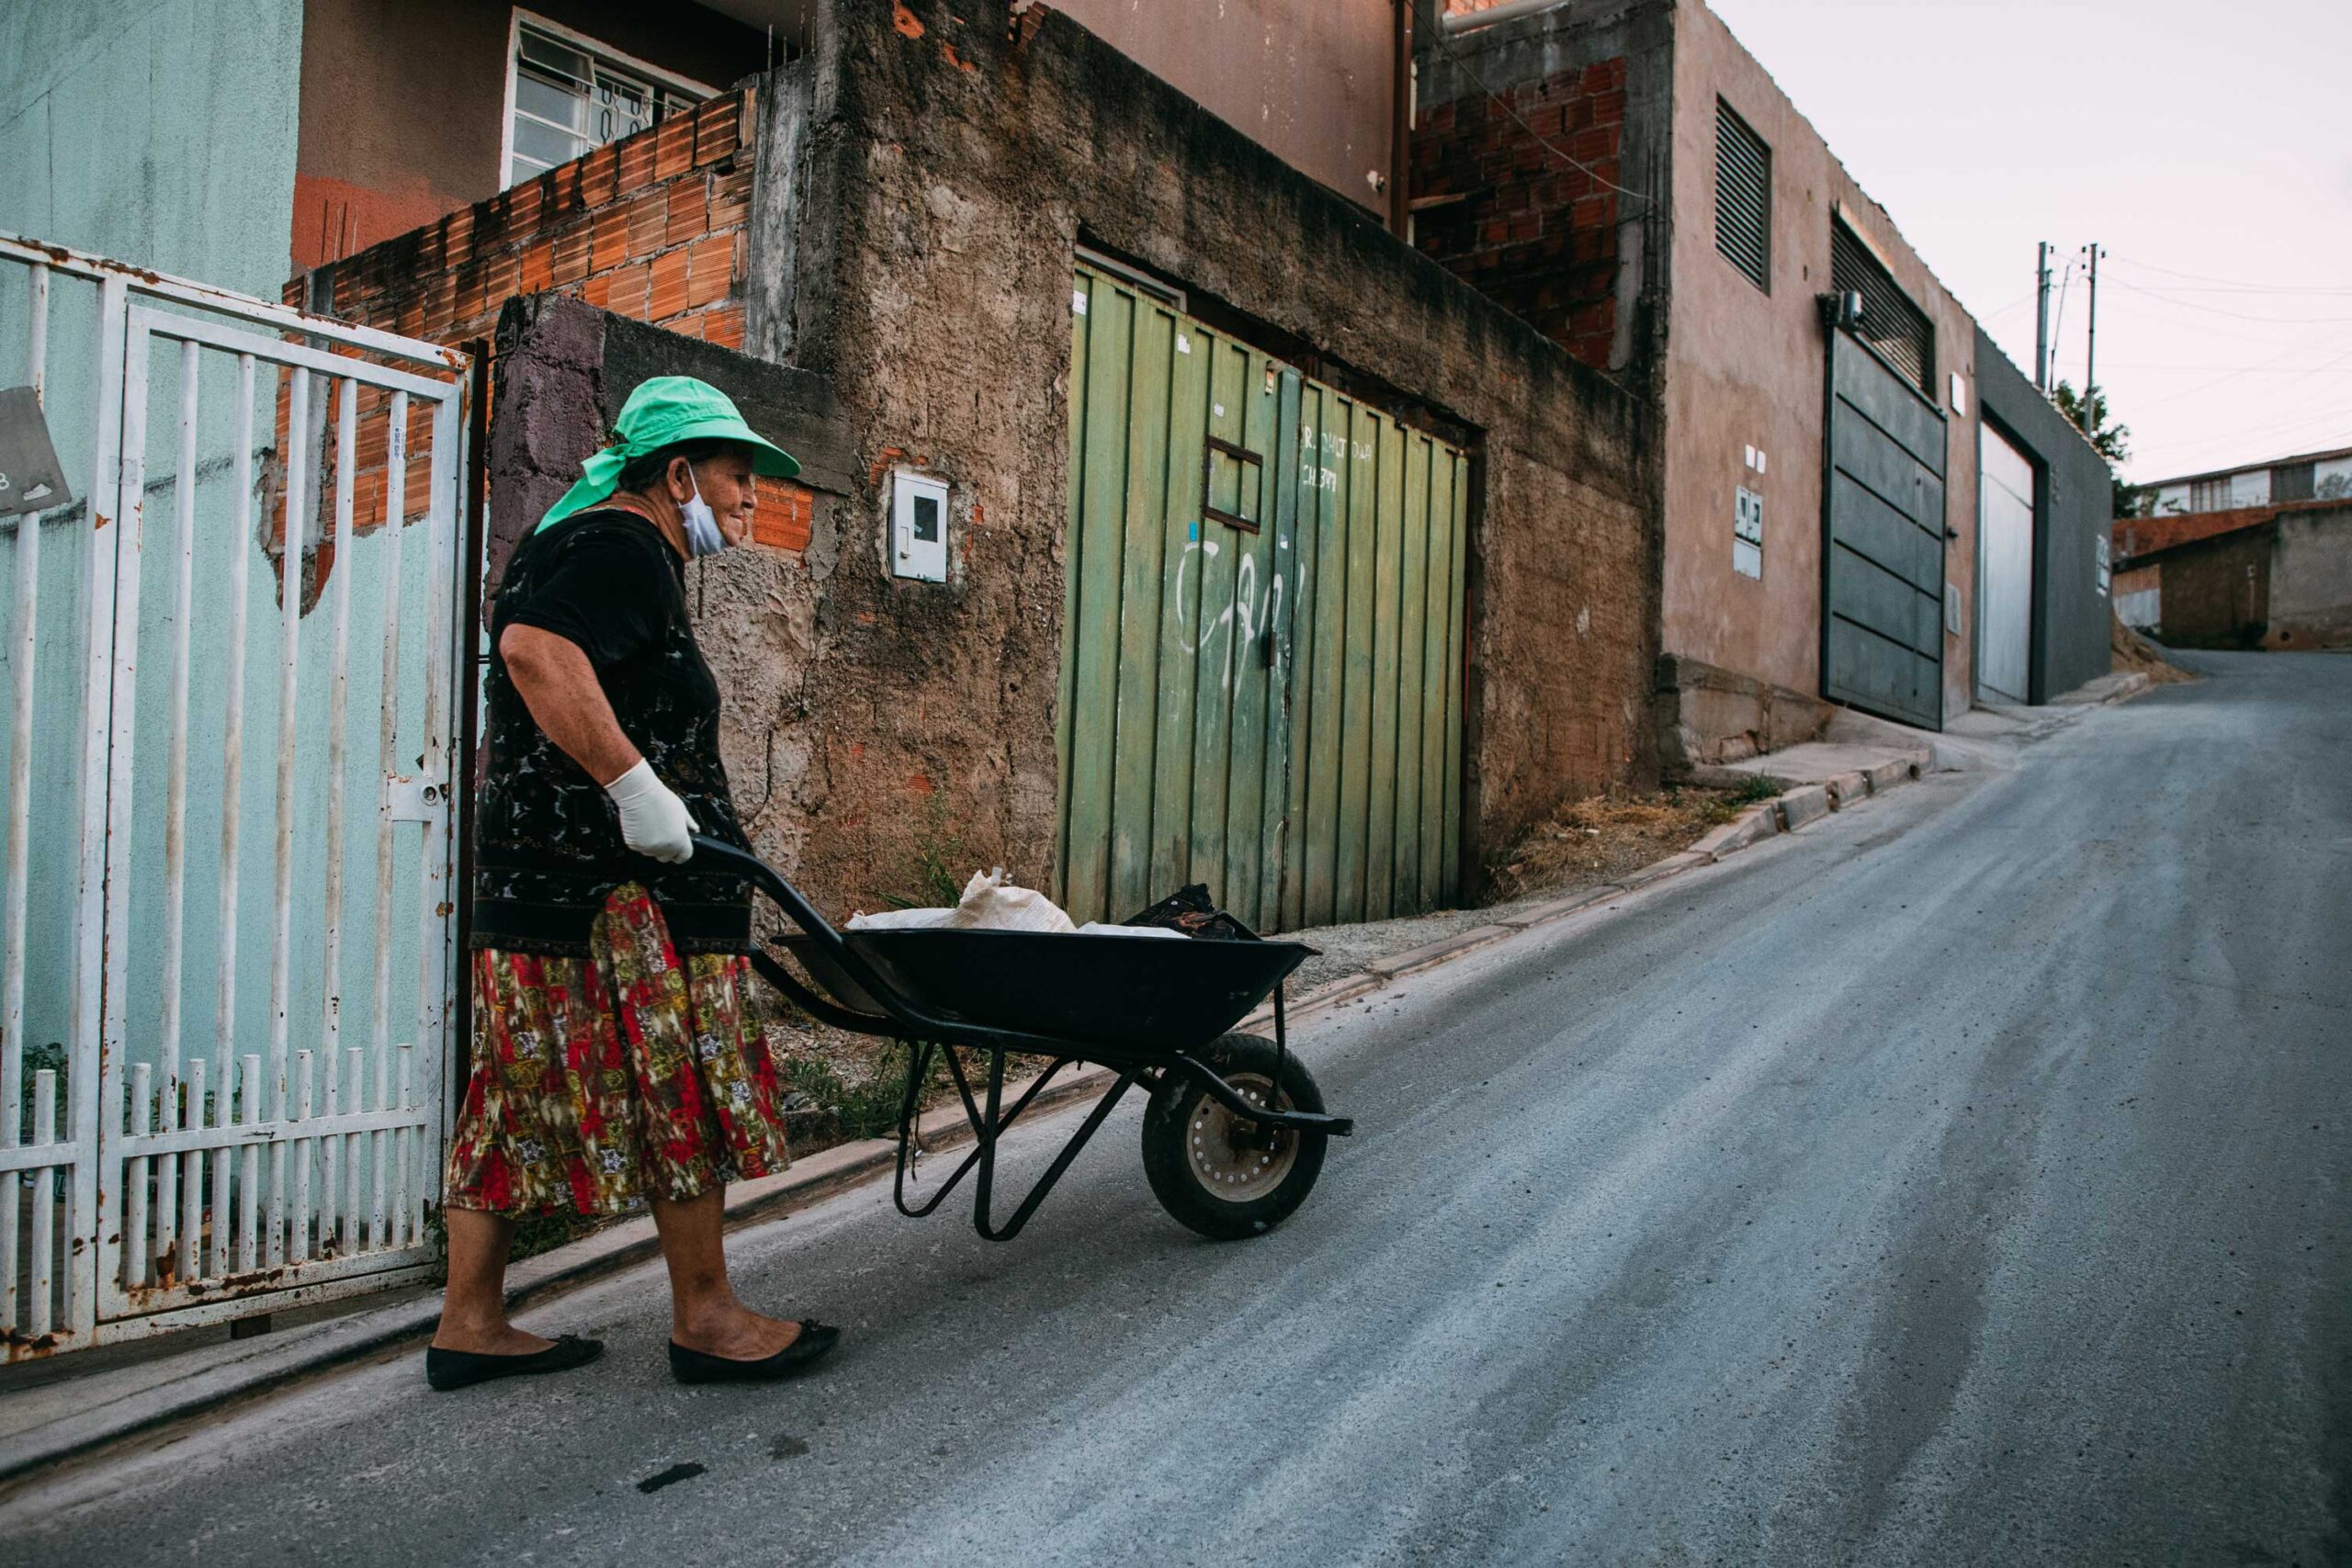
(703, 537)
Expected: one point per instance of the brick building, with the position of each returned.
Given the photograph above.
(855, 702)
(1626, 178)
(424, 167)
(2279, 580)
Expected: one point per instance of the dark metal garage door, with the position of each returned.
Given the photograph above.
(1882, 589)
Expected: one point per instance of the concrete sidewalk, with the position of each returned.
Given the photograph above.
(53, 1411)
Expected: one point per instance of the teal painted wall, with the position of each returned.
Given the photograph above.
(164, 135)
(161, 134)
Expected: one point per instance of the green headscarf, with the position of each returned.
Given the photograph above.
(661, 413)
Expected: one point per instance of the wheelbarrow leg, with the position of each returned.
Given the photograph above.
(971, 1115)
(988, 1127)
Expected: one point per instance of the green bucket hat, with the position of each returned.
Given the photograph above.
(661, 413)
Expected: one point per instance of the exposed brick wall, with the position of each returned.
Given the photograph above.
(2144, 536)
(654, 228)
(1514, 218)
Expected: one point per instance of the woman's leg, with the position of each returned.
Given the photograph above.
(704, 1314)
(473, 1304)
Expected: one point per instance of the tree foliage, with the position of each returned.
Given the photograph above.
(2112, 441)
(2108, 440)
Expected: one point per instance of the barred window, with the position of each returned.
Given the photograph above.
(1892, 324)
(567, 98)
(1742, 197)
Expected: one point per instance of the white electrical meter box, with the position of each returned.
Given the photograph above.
(918, 526)
(1748, 532)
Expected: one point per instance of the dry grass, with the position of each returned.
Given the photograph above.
(1605, 836)
(2133, 651)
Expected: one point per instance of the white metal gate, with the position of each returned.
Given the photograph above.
(232, 993)
(2005, 568)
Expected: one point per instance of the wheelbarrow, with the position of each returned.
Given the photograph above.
(1234, 1133)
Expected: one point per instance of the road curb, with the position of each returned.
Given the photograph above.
(1808, 803)
(855, 1164)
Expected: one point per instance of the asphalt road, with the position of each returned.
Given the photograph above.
(1962, 1180)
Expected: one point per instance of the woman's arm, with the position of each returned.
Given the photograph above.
(558, 684)
(567, 702)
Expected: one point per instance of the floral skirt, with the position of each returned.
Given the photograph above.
(599, 1082)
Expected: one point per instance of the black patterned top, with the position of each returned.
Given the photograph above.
(547, 840)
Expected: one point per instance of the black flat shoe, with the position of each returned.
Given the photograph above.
(446, 1370)
(696, 1366)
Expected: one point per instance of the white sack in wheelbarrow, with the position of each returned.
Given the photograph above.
(987, 904)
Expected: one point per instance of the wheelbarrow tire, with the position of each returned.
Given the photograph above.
(1226, 1191)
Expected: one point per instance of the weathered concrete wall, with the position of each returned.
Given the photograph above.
(1744, 367)
(563, 370)
(2217, 591)
(1308, 80)
(921, 190)
(1707, 715)
(2311, 581)
(2072, 642)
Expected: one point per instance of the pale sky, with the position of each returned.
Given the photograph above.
(2208, 148)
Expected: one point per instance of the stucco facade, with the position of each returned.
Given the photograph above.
(1524, 180)
(1311, 81)
(1744, 368)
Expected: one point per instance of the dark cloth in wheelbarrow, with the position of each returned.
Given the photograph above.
(636, 1072)
(547, 838)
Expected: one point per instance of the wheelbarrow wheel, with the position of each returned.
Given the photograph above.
(1220, 1174)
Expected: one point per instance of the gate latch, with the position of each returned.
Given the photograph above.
(409, 799)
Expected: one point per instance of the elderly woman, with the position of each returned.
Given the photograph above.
(617, 1058)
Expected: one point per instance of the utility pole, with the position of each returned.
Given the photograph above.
(2042, 317)
(2091, 355)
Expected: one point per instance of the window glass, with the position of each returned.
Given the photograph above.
(541, 100)
(569, 101)
(542, 147)
(538, 49)
(623, 107)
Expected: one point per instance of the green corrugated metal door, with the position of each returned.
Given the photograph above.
(1376, 678)
(1262, 646)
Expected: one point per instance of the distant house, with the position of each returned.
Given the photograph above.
(2311, 476)
(2281, 582)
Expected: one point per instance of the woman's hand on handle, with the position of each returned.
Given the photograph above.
(654, 821)
(558, 684)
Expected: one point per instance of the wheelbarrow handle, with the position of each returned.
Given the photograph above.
(916, 1019)
(717, 853)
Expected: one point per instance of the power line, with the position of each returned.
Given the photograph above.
(2339, 417)
(2230, 283)
(2249, 370)
(2234, 315)
(2222, 369)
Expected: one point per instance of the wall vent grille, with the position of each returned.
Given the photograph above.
(1742, 197)
(1892, 324)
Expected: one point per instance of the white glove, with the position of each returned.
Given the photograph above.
(654, 821)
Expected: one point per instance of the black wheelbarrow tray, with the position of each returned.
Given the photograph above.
(1234, 1134)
